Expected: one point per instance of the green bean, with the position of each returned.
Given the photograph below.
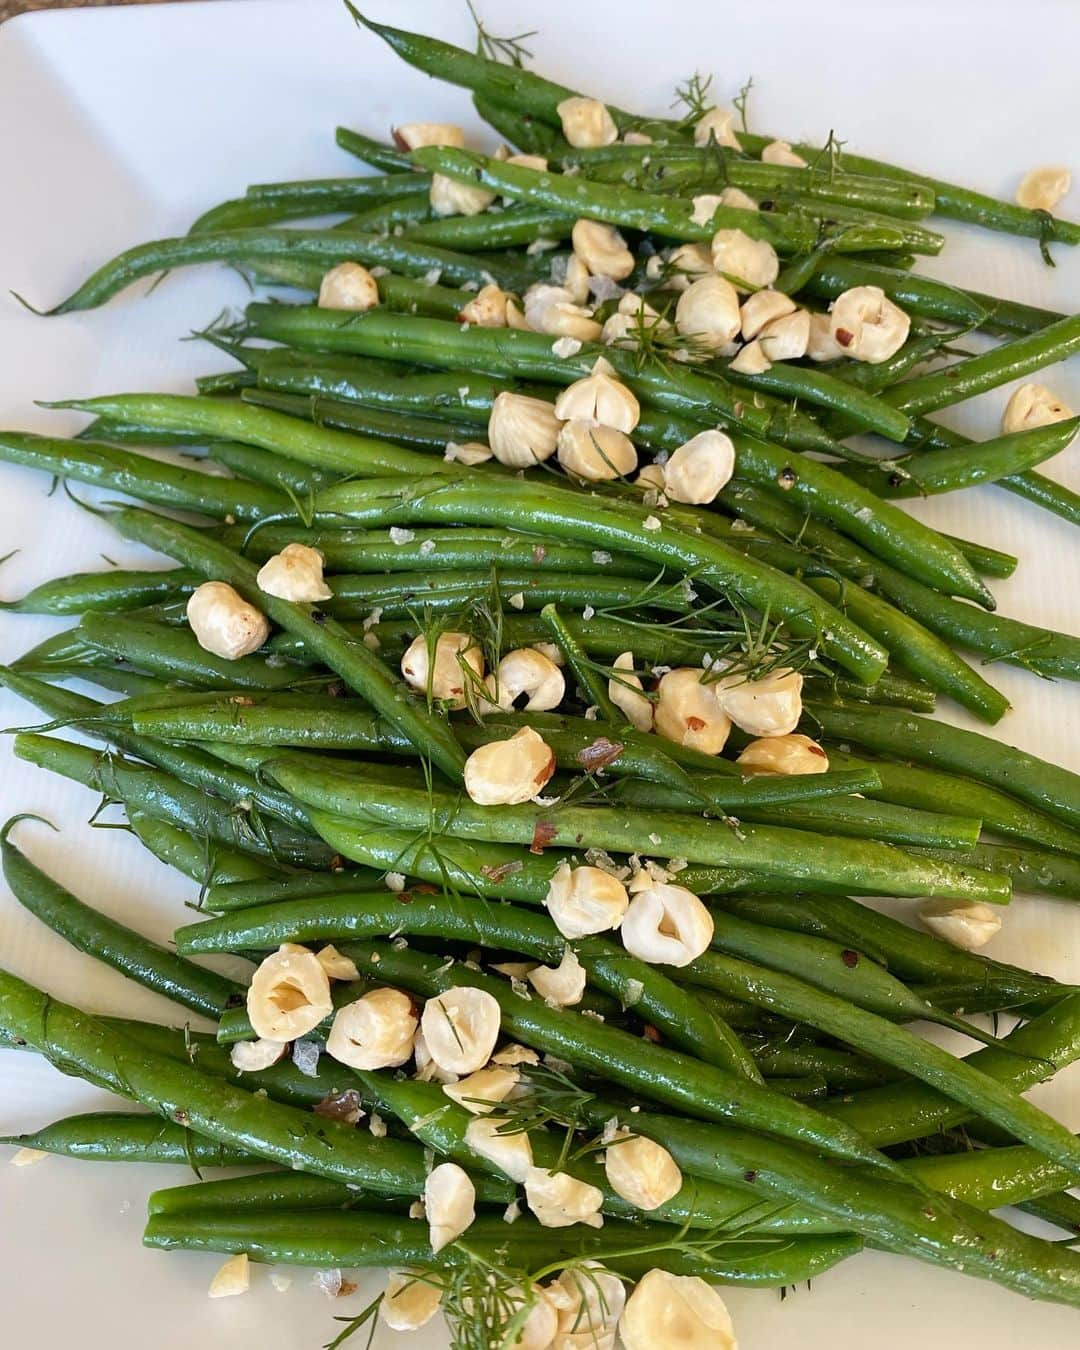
(1045, 492)
(325, 247)
(669, 216)
(861, 410)
(842, 815)
(873, 867)
(874, 378)
(203, 991)
(976, 374)
(443, 1127)
(224, 382)
(897, 1046)
(652, 996)
(704, 1090)
(160, 794)
(374, 1239)
(419, 433)
(929, 790)
(432, 342)
(911, 954)
(898, 1112)
(1011, 316)
(232, 420)
(461, 394)
(118, 1136)
(357, 666)
(83, 1045)
(1044, 786)
(916, 648)
(262, 1191)
(248, 461)
(592, 682)
(608, 525)
(226, 895)
(1030, 870)
(528, 93)
(602, 636)
(172, 653)
(268, 203)
(376, 153)
(767, 180)
(209, 863)
(376, 551)
(924, 472)
(1040, 649)
(522, 223)
(116, 590)
(152, 480)
(842, 1070)
(924, 296)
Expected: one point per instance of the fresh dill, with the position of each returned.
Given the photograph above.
(693, 95)
(508, 49)
(740, 101)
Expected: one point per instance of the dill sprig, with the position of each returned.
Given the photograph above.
(509, 49)
(739, 102)
(693, 95)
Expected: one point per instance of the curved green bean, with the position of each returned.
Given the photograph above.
(325, 247)
(151, 480)
(906, 736)
(155, 967)
(123, 1136)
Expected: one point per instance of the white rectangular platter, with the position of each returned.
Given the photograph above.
(121, 125)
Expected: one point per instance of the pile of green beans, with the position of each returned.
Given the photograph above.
(314, 791)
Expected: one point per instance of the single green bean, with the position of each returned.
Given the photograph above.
(111, 591)
(376, 153)
(418, 433)
(1042, 785)
(268, 203)
(233, 420)
(842, 815)
(151, 480)
(374, 1239)
(924, 472)
(1013, 359)
(155, 967)
(119, 1136)
(263, 466)
(325, 247)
